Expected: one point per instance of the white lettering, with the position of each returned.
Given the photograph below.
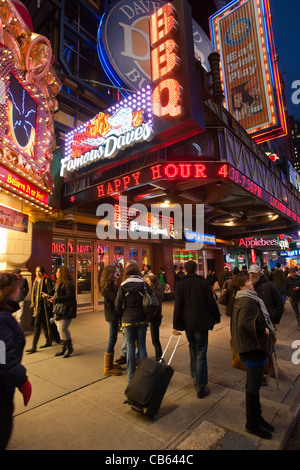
(296, 94)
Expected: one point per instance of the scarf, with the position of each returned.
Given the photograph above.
(251, 294)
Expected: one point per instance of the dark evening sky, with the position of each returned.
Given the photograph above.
(286, 29)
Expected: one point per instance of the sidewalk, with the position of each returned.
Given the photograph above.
(75, 407)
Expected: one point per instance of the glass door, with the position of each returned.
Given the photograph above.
(85, 274)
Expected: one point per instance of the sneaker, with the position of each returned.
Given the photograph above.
(204, 393)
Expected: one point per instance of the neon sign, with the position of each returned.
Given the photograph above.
(127, 123)
(158, 171)
(167, 95)
(22, 187)
(200, 237)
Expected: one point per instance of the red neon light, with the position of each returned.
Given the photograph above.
(253, 258)
(167, 96)
(162, 23)
(164, 59)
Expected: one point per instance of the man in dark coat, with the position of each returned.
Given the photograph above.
(268, 292)
(196, 312)
(293, 291)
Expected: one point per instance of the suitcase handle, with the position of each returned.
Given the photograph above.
(166, 348)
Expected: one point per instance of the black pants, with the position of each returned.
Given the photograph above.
(253, 384)
(6, 422)
(154, 330)
(40, 324)
(295, 307)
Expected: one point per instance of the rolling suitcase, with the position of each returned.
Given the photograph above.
(149, 383)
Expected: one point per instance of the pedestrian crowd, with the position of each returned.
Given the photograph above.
(254, 302)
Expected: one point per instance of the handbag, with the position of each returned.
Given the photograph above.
(150, 304)
(237, 363)
(217, 286)
(224, 297)
(59, 310)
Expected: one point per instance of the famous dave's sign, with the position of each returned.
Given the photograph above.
(242, 34)
(171, 109)
(109, 133)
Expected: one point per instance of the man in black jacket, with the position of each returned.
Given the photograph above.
(268, 292)
(293, 291)
(196, 312)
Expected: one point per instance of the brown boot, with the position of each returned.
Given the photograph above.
(109, 367)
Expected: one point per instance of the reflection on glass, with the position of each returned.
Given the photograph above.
(103, 260)
(134, 254)
(145, 258)
(118, 255)
(84, 279)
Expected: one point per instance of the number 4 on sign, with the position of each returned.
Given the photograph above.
(223, 171)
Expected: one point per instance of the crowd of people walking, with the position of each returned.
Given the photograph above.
(253, 301)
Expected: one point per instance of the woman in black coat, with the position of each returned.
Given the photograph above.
(252, 338)
(156, 322)
(65, 308)
(42, 284)
(12, 342)
(109, 291)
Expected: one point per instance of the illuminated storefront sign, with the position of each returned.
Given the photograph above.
(28, 90)
(158, 171)
(200, 237)
(20, 186)
(122, 126)
(279, 242)
(124, 47)
(242, 34)
(165, 62)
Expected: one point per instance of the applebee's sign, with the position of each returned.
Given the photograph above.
(260, 242)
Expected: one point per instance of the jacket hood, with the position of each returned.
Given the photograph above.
(132, 279)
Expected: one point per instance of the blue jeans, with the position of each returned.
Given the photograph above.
(113, 336)
(135, 333)
(198, 342)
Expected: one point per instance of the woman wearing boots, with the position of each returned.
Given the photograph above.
(253, 336)
(65, 308)
(109, 291)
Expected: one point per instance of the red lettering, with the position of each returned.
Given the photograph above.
(101, 192)
(126, 180)
(171, 170)
(117, 184)
(200, 171)
(161, 23)
(136, 177)
(185, 170)
(109, 189)
(156, 174)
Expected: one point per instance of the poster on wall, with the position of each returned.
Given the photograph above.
(13, 220)
(242, 34)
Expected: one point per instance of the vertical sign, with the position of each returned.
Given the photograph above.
(242, 35)
(176, 100)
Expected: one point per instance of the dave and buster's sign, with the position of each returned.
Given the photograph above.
(124, 46)
(170, 110)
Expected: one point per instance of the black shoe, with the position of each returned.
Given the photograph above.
(46, 345)
(257, 430)
(31, 350)
(266, 425)
(204, 393)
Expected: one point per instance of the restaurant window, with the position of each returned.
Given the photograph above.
(58, 255)
(84, 273)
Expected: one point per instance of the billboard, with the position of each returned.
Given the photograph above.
(242, 34)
